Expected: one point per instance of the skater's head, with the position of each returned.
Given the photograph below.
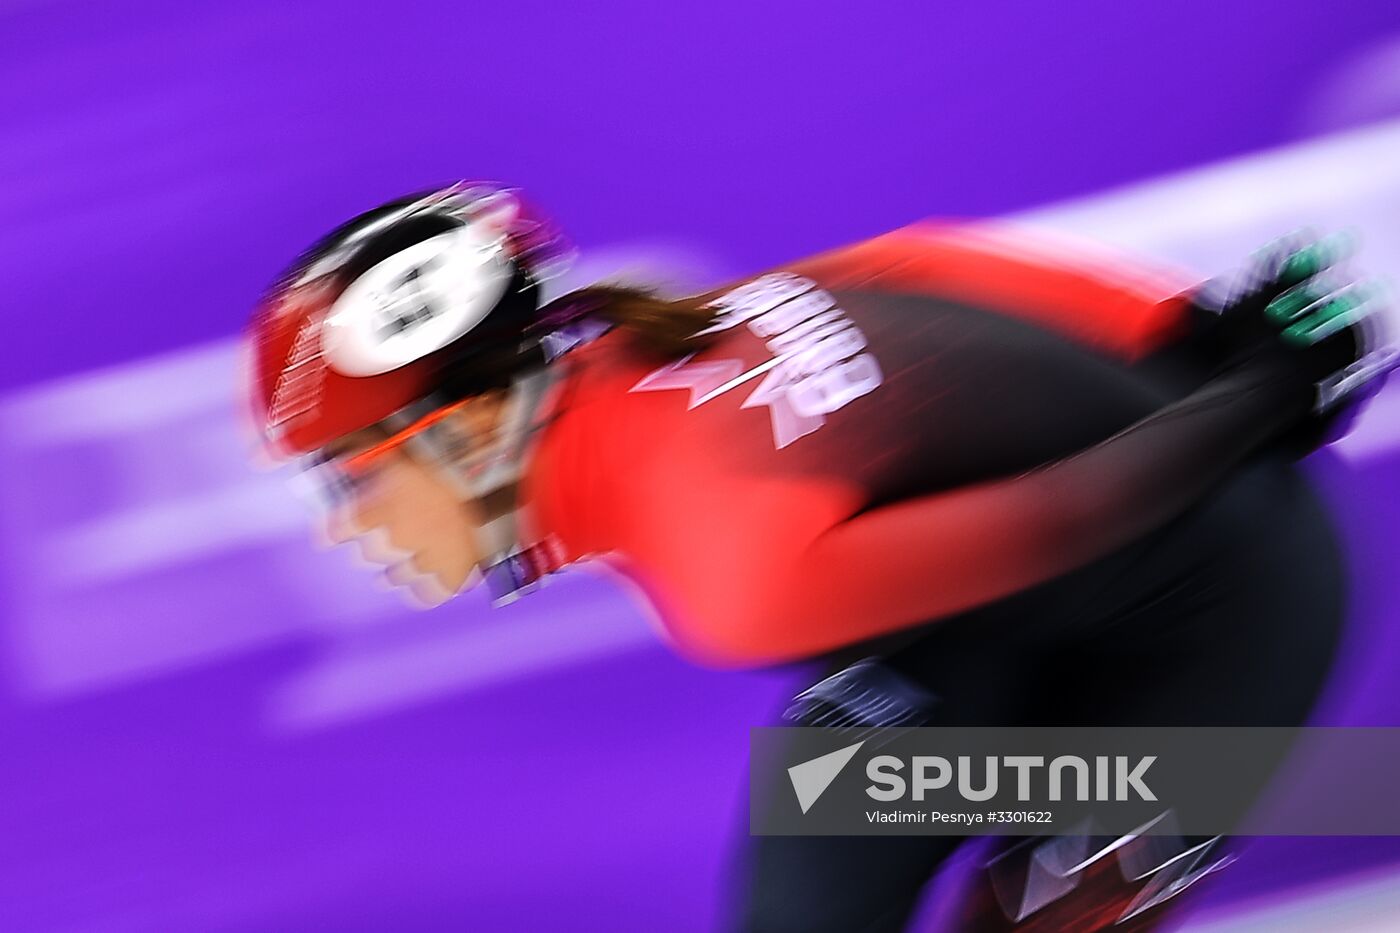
(402, 357)
(406, 357)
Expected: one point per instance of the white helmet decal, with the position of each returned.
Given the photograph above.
(417, 301)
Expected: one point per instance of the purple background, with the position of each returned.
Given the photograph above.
(204, 724)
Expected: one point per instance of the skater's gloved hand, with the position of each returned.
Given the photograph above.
(1341, 347)
(1228, 312)
(1295, 315)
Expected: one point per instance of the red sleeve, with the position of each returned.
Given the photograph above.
(751, 596)
(1123, 308)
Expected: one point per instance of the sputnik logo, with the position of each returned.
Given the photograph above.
(811, 778)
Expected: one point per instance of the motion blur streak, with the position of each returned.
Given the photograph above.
(207, 724)
(1369, 904)
(182, 507)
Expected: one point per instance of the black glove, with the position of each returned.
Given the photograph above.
(1290, 315)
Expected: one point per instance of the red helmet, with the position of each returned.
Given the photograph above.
(434, 293)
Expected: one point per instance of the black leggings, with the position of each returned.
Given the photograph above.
(1229, 616)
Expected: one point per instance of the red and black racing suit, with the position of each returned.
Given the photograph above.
(1023, 493)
